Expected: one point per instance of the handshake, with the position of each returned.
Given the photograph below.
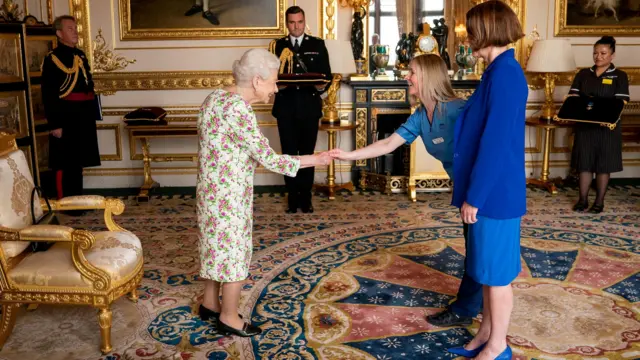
(325, 157)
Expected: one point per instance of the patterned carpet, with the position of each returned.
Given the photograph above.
(355, 279)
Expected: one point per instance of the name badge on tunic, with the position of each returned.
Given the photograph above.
(607, 81)
(438, 140)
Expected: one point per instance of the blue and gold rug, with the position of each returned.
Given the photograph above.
(355, 280)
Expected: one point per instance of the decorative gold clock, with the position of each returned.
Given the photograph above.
(426, 43)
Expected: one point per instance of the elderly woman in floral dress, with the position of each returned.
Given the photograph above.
(231, 147)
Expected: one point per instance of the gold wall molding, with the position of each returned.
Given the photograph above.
(109, 83)
(105, 59)
(118, 142)
(80, 10)
(183, 170)
(328, 11)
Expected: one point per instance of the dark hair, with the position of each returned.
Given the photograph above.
(492, 23)
(607, 40)
(294, 10)
(57, 23)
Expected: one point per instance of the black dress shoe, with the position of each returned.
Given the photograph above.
(248, 330)
(206, 314)
(307, 209)
(581, 206)
(449, 318)
(291, 210)
(194, 10)
(211, 17)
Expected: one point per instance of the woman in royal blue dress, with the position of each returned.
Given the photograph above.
(489, 172)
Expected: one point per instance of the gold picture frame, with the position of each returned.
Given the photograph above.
(10, 59)
(13, 112)
(145, 20)
(575, 19)
(37, 49)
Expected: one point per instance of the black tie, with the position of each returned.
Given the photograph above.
(296, 46)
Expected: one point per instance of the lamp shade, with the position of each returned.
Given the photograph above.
(340, 56)
(551, 56)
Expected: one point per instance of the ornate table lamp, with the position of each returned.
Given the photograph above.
(550, 57)
(341, 63)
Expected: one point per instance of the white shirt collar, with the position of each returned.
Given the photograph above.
(293, 39)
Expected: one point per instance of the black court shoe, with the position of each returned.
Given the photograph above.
(596, 208)
(581, 206)
(206, 314)
(247, 330)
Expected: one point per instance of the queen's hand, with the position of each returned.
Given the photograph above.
(320, 159)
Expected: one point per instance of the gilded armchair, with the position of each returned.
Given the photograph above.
(81, 268)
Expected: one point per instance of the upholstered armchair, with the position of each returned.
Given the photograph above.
(80, 268)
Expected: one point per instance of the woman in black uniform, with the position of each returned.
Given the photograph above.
(597, 149)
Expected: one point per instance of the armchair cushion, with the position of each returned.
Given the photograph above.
(16, 185)
(116, 252)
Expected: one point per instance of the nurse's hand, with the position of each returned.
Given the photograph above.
(468, 213)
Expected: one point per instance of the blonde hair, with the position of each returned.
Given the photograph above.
(433, 80)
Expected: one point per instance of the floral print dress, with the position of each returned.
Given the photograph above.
(230, 149)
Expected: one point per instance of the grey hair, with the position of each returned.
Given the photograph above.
(57, 23)
(254, 62)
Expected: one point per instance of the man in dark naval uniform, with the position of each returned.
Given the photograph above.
(297, 108)
(71, 109)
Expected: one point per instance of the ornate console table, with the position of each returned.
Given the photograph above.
(145, 134)
(380, 108)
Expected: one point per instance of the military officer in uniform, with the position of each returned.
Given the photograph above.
(71, 109)
(297, 108)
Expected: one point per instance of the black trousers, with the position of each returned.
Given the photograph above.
(469, 299)
(298, 135)
(69, 182)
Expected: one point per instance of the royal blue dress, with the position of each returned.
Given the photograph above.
(489, 171)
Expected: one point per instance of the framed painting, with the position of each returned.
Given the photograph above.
(37, 105)
(597, 17)
(201, 19)
(10, 58)
(37, 48)
(13, 112)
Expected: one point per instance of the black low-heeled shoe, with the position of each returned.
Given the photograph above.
(581, 206)
(206, 314)
(596, 208)
(247, 330)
